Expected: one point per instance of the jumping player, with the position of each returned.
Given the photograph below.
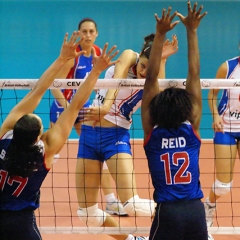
(171, 120)
(27, 153)
(109, 140)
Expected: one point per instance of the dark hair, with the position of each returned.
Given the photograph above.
(146, 49)
(86, 20)
(23, 156)
(170, 108)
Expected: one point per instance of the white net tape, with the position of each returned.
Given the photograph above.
(118, 83)
(126, 230)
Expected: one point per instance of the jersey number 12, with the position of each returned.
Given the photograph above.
(182, 176)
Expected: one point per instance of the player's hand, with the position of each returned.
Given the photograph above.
(194, 17)
(95, 114)
(165, 24)
(170, 48)
(217, 124)
(68, 50)
(105, 60)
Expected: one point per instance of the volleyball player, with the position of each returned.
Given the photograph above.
(79, 68)
(109, 140)
(171, 121)
(226, 125)
(26, 153)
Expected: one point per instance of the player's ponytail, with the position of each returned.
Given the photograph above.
(146, 49)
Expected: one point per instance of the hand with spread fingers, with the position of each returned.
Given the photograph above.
(165, 24)
(68, 50)
(170, 47)
(194, 17)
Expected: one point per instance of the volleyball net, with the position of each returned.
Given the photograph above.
(58, 202)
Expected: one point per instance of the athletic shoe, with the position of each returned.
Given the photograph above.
(210, 212)
(141, 238)
(210, 237)
(115, 208)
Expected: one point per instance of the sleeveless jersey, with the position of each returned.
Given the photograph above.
(82, 67)
(229, 105)
(126, 102)
(18, 193)
(173, 157)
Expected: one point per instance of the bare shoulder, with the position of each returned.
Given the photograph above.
(222, 71)
(129, 54)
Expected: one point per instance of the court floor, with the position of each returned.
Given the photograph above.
(58, 199)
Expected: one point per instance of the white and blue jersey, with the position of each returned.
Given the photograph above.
(101, 143)
(229, 105)
(173, 160)
(82, 67)
(18, 193)
(126, 102)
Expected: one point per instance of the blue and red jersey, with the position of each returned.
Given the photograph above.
(173, 160)
(82, 67)
(18, 193)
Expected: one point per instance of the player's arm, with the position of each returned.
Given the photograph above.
(56, 136)
(124, 62)
(169, 48)
(33, 98)
(193, 85)
(57, 93)
(213, 101)
(151, 86)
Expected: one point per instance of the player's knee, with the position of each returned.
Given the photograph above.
(136, 206)
(220, 188)
(92, 216)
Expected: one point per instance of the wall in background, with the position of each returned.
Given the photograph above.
(31, 34)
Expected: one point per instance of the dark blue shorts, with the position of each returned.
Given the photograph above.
(226, 138)
(20, 225)
(56, 109)
(102, 143)
(181, 220)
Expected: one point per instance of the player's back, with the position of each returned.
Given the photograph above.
(18, 193)
(173, 157)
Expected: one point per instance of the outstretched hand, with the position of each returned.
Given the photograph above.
(105, 60)
(164, 24)
(194, 17)
(68, 50)
(170, 48)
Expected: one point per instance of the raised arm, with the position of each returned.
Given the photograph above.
(57, 93)
(55, 137)
(169, 48)
(191, 23)
(212, 99)
(151, 86)
(33, 98)
(125, 61)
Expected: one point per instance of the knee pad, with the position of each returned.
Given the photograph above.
(220, 188)
(136, 206)
(92, 216)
